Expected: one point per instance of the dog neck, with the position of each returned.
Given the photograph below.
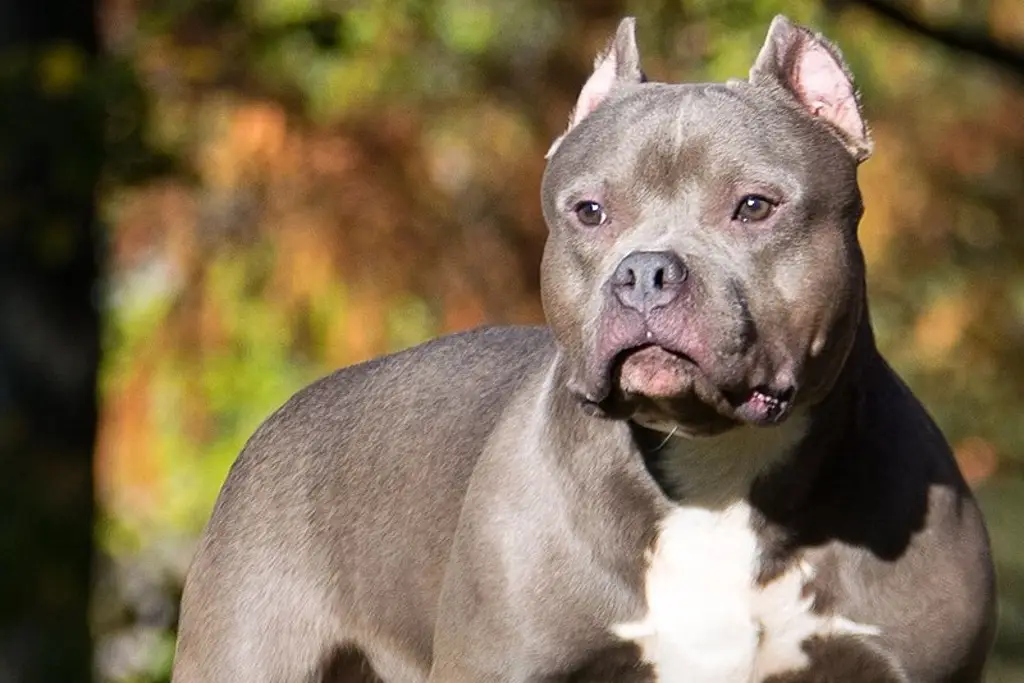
(715, 472)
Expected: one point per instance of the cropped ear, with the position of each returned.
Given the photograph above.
(617, 65)
(812, 70)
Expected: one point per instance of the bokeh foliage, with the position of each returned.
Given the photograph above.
(295, 186)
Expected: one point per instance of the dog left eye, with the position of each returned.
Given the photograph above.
(590, 213)
(753, 208)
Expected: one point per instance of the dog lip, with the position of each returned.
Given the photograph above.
(619, 360)
(625, 353)
(763, 404)
(697, 383)
(602, 375)
(781, 395)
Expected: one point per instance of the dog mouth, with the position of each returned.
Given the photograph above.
(673, 384)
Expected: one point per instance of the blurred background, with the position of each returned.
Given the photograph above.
(206, 204)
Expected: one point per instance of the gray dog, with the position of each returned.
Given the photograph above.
(702, 471)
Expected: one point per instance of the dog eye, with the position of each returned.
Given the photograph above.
(753, 208)
(590, 213)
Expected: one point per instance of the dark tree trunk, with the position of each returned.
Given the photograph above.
(51, 148)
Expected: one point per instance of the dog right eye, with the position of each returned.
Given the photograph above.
(753, 208)
(590, 213)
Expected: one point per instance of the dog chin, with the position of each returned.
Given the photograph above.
(684, 430)
(683, 416)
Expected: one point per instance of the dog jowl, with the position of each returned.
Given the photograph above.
(700, 471)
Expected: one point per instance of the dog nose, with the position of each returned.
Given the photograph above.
(646, 280)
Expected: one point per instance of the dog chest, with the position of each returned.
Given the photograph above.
(707, 620)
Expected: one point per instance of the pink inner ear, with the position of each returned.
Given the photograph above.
(595, 89)
(827, 91)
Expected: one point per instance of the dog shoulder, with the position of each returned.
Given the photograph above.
(945, 554)
(435, 399)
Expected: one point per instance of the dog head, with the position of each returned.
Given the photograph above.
(702, 265)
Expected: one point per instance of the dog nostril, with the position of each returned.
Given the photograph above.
(659, 278)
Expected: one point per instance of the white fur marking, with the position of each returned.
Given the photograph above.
(786, 617)
(699, 626)
(707, 620)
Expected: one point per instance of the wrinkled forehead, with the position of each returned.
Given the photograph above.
(670, 133)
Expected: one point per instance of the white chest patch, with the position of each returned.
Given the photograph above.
(707, 620)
